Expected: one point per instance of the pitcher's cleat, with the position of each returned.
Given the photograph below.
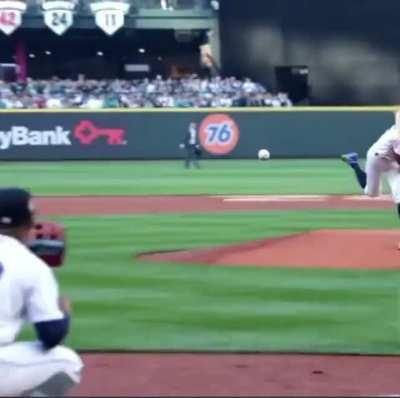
(350, 158)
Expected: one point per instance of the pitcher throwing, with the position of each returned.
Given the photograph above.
(383, 161)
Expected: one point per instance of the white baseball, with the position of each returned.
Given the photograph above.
(264, 154)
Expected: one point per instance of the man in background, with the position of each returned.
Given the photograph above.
(192, 146)
(29, 293)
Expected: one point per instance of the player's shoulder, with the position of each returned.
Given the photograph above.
(392, 130)
(21, 255)
(8, 243)
(390, 134)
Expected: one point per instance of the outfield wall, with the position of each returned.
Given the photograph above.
(156, 134)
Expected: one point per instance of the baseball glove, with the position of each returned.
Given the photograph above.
(47, 240)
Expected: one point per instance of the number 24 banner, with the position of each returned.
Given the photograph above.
(110, 15)
(11, 15)
(58, 15)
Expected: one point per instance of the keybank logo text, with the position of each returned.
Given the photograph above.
(22, 136)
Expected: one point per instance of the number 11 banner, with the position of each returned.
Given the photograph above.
(58, 15)
(110, 15)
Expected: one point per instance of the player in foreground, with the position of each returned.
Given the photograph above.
(29, 293)
(383, 160)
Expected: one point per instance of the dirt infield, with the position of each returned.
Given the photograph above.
(158, 374)
(323, 249)
(94, 205)
(243, 375)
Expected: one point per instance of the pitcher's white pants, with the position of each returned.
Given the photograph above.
(377, 167)
(25, 366)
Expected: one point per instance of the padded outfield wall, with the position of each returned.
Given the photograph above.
(156, 134)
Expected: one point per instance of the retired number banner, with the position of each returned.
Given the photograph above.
(11, 15)
(110, 15)
(58, 15)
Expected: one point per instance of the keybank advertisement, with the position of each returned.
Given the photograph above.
(55, 136)
(22, 136)
(119, 135)
(85, 133)
(158, 134)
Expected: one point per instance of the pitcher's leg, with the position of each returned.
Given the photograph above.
(375, 167)
(393, 178)
(352, 160)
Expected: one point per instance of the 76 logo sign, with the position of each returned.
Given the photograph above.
(219, 134)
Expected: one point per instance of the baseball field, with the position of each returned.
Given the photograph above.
(208, 322)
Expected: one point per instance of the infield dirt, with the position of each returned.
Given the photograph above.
(324, 249)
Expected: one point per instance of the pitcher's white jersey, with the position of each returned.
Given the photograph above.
(381, 162)
(387, 144)
(28, 289)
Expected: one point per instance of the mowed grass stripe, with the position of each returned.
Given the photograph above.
(312, 176)
(122, 303)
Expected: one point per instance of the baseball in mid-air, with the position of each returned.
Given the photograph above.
(264, 154)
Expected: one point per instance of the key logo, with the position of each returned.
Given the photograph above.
(86, 132)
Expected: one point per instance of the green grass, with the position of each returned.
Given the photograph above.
(123, 303)
(169, 177)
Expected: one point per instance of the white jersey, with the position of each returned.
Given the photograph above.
(28, 289)
(387, 144)
(193, 135)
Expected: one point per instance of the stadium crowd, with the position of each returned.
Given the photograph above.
(191, 91)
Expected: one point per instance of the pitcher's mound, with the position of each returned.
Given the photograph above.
(323, 248)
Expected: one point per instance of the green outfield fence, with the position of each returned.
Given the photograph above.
(301, 132)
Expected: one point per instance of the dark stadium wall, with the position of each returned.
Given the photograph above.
(157, 134)
(350, 46)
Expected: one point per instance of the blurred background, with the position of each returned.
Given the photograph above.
(275, 52)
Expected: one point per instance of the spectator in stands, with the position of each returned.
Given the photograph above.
(190, 91)
(14, 102)
(270, 100)
(53, 102)
(111, 100)
(284, 99)
(39, 102)
(93, 102)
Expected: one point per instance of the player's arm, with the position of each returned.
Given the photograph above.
(395, 141)
(397, 120)
(49, 315)
(52, 333)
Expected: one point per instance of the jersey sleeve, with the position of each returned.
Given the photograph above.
(42, 297)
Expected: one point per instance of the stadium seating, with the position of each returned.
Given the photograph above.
(191, 91)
